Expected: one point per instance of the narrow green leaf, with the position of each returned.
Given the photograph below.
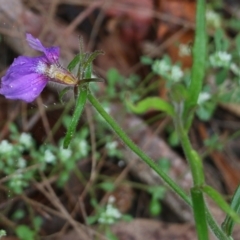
(199, 58)
(155, 103)
(91, 58)
(63, 92)
(228, 223)
(199, 213)
(74, 62)
(88, 71)
(218, 199)
(81, 100)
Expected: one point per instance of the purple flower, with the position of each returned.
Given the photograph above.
(27, 76)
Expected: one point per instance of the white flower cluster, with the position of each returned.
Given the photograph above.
(49, 157)
(184, 50)
(3, 233)
(5, 147)
(65, 154)
(203, 97)
(173, 73)
(111, 145)
(26, 140)
(17, 181)
(21, 163)
(213, 19)
(111, 214)
(220, 59)
(235, 69)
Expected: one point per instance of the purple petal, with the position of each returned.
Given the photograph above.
(51, 53)
(22, 66)
(22, 81)
(34, 43)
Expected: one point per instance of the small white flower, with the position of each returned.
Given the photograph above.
(5, 147)
(16, 180)
(176, 73)
(65, 154)
(26, 140)
(3, 233)
(213, 19)
(184, 50)
(220, 59)
(112, 145)
(224, 56)
(203, 97)
(111, 213)
(83, 147)
(161, 67)
(235, 69)
(111, 199)
(107, 109)
(21, 163)
(49, 157)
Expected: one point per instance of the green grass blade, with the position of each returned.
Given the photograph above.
(199, 213)
(228, 223)
(154, 103)
(74, 62)
(81, 101)
(199, 57)
(218, 199)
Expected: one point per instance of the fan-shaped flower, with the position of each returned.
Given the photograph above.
(27, 76)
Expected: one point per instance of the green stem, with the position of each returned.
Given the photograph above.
(80, 103)
(122, 135)
(199, 213)
(194, 160)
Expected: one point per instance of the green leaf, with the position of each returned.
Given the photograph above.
(155, 103)
(81, 101)
(221, 76)
(107, 186)
(146, 60)
(155, 207)
(217, 197)
(205, 110)
(92, 219)
(158, 192)
(91, 57)
(228, 223)
(199, 213)
(199, 58)
(25, 233)
(173, 139)
(74, 62)
(178, 92)
(164, 164)
(110, 235)
(113, 76)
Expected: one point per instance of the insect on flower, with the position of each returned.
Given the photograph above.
(27, 76)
